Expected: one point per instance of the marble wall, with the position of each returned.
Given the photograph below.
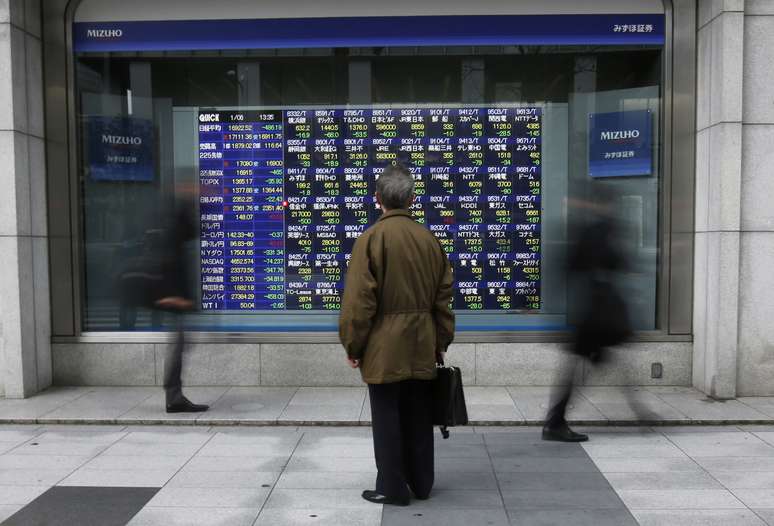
(755, 374)
(274, 364)
(25, 357)
(733, 309)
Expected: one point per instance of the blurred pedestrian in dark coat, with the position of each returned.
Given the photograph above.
(597, 311)
(139, 280)
(177, 297)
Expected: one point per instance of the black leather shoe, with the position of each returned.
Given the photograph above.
(186, 406)
(378, 498)
(563, 434)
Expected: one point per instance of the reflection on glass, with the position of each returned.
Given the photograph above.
(141, 138)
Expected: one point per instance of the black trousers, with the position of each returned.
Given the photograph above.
(173, 365)
(402, 422)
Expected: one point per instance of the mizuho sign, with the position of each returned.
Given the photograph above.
(104, 33)
(121, 139)
(620, 144)
(617, 135)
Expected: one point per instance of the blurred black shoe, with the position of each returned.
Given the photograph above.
(563, 434)
(186, 406)
(378, 498)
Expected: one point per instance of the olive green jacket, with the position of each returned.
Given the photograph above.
(395, 314)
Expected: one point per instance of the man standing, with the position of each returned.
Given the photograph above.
(395, 322)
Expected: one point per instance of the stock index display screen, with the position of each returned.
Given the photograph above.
(285, 193)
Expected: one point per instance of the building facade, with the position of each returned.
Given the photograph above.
(272, 122)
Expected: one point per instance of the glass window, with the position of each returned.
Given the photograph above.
(140, 136)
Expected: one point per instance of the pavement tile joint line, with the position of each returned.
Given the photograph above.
(348, 406)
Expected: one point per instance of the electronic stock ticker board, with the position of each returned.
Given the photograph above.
(285, 193)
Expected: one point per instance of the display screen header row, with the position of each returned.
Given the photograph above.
(485, 30)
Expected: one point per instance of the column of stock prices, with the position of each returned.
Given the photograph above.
(284, 194)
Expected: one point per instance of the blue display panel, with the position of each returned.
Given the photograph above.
(120, 148)
(241, 230)
(285, 194)
(480, 30)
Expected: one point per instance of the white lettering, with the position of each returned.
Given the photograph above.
(619, 134)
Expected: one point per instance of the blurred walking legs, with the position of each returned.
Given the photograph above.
(562, 393)
(173, 366)
(173, 369)
(556, 427)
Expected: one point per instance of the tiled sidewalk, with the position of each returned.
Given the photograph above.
(495, 476)
(349, 406)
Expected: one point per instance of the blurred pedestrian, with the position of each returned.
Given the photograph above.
(176, 297)
(597, 310)
(395, 324)
(139, 281)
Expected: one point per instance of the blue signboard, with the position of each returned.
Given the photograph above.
(622, 29)
(120, 148)
(620, 144)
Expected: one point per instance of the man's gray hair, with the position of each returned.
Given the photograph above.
(395, 187)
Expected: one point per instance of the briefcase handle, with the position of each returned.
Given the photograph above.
(439, 363)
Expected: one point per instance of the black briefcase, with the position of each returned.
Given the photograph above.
(448, 399)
